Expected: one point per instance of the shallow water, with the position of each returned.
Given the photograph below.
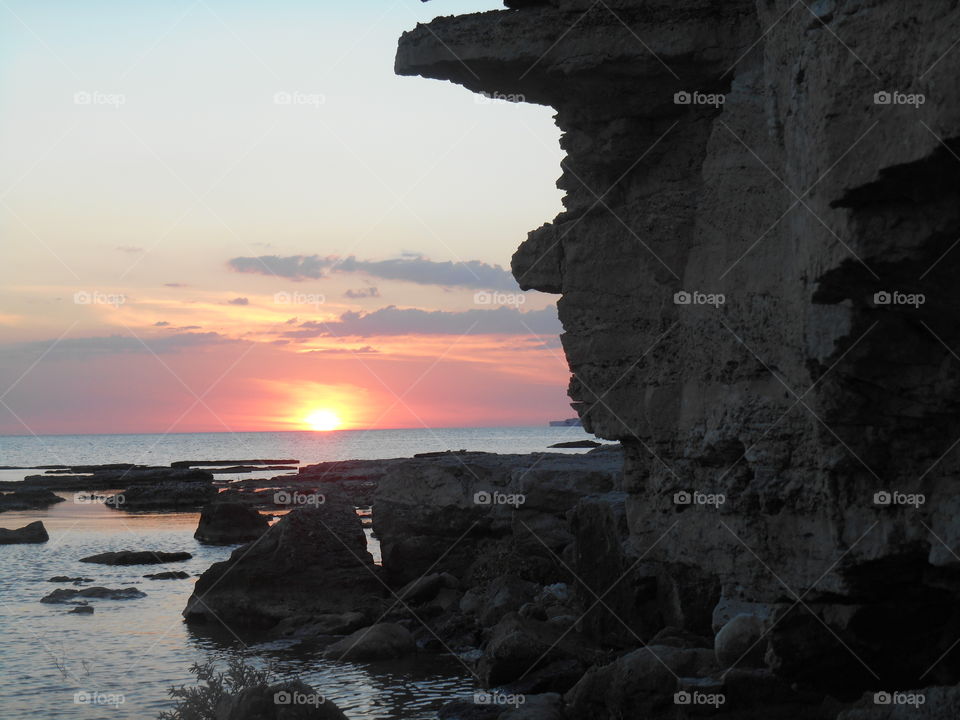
(139, 648)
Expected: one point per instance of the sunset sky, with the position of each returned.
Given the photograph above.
(225, 216)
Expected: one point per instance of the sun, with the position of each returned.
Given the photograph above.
(323, 420)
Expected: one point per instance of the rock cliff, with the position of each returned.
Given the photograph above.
(754, 266)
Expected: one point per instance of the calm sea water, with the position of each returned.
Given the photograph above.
(138, 648)
(308, 447)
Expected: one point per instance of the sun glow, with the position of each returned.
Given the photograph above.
(322, 420)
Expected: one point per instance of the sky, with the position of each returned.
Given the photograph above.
(231, 216)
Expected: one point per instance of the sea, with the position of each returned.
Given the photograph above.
(121, 661)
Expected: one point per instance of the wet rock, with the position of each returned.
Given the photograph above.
(290, 700)
(136, 557)
(65, 578)
(164, 496)
(81, 610)
(69, 595)
(313, 562)
(28, 499)
(377, 642)
(312, 627)
(35, 532)
(224, 523)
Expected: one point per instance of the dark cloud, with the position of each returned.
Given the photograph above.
(396, 321)
(126, 344)
(408, 268)
(370, 292)
(365, 350)
(161, 323)
(175, 285)
(238, 301)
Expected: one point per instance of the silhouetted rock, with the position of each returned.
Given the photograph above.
(81, 610)
(136, 557)
(35, 532)
(314, 562)
(578, 444)
(223, 523)
(65, 578)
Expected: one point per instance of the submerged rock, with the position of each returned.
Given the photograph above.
(69, 595)
(28, 499)
(81, 610)
(136, 557)
(224, 523)
(170, 575)
(35, 532)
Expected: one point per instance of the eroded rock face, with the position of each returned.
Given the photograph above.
(775, 156)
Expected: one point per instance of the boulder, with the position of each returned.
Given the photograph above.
(377, 642)
(290, 700)
(35, 532)
(136, 557)
(225, 523)
(519, 646)
(69, 595)
(313, 562)
(740, 642)
(638, 684)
